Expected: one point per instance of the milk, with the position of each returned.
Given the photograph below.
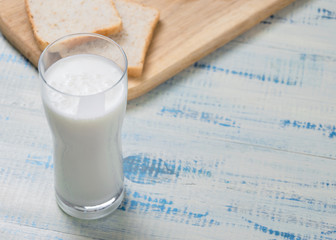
(86, 120)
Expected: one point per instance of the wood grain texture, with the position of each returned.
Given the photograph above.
(240, 145)
(187, 31)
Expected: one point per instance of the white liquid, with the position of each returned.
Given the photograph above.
(86, 129)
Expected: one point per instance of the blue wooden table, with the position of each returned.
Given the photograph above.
(240, 145)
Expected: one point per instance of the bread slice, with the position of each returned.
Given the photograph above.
(139, 22)
(52, 19)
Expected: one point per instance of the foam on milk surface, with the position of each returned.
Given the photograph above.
(87, 76)
(83, 74)
(86, 129)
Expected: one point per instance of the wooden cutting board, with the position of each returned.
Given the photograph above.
(188, 30)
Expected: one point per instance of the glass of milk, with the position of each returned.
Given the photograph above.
(84, 93)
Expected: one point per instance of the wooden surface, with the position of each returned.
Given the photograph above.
(187, 31)
(240, 145)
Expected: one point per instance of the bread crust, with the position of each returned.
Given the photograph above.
(136, 71)
(41, 44)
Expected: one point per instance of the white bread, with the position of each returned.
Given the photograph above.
(52, 19)
(139, 23)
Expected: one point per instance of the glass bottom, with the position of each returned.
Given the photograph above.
(90, 212)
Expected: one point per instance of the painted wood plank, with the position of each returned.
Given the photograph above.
(182, 184)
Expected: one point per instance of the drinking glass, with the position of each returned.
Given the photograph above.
(84, 94)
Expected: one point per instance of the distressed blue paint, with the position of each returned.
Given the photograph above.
(327, 14)
(329, 232)
(6, 118)
(41, 145)
(294, 199)
(327, 184)
(231, 208)
(270, 231)
(173, 112)
(45, 161)
(326, 129)
(14, 59)
(145, 170)
(139, 202)
(207, 117)
(261, 77)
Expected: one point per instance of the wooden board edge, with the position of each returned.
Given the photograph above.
(147, 85)
(7, 32)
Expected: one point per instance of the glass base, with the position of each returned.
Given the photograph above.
(90, 212)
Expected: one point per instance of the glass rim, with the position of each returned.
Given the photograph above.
(42, 74)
